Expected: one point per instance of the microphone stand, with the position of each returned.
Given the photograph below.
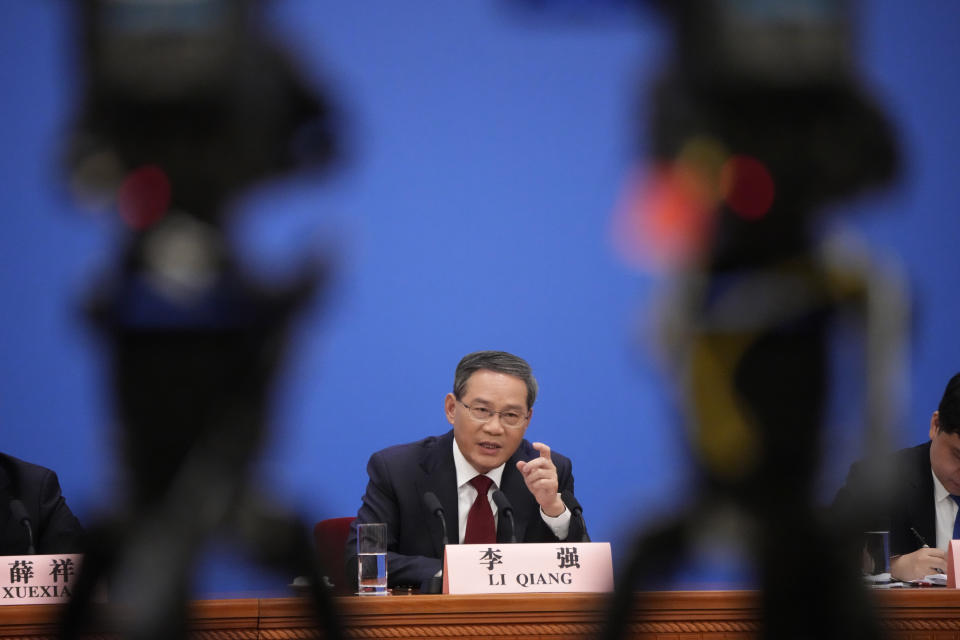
(503, 504)
(435, 583)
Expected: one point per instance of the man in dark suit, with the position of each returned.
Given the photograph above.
(490, 408)
(55, 529)
(925, 489)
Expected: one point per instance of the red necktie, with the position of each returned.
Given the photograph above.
(480, 527)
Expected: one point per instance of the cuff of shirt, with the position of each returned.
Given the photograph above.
(560, 525)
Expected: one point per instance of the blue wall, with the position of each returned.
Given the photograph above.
(486, 155)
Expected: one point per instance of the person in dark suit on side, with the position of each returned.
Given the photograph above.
(922, 509)
(490, 409)
(55, 529)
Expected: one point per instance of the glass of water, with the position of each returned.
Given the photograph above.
(372, 559)
(875, 556)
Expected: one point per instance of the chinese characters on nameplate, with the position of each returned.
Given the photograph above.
(524, 568)
(38, 579)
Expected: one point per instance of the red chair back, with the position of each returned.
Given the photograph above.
(330, 536)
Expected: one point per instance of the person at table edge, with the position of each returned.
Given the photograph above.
(490, 409)
(925, 487)
(55, 528)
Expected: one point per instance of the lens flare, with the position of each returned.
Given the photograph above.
(663, 218)
(144, 196)
(746, 186)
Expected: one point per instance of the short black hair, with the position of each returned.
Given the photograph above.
(499, 361)
(949, 410)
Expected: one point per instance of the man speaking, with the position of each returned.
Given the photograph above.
(490, 409)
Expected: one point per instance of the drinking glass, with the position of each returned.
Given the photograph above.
(372, 559)
(875, 555)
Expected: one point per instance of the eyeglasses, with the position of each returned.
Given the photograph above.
(509, 419)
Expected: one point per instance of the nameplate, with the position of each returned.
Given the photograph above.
(38, 579)
(953, 563)
(528, 568)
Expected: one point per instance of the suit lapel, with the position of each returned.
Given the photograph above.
(440, 477)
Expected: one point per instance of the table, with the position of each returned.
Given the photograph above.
(907, 614)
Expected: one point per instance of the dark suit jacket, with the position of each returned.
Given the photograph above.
(55, 529)
(910, 503)
(400, 475)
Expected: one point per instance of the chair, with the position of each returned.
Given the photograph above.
(330, 536)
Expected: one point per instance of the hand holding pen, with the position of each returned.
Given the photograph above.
(923, 545)
(922, 562)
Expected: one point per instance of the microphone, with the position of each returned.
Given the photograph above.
(430, 501)
(20, 514)
(503, 504)
(434, 507)
(571, 501)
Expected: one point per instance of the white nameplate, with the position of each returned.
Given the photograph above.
(953, 563)
(546, 567)
(38, 579)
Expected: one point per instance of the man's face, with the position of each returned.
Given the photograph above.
(487, 445)
(945, 456)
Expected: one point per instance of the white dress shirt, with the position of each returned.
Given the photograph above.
(466, 494)
(946, 512)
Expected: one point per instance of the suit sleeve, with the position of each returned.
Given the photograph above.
(577, 531)
(59, 531)
(537, 529)
(858, 507)
(380, 504)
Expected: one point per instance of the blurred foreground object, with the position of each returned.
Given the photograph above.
(184, 105)
(758, 125)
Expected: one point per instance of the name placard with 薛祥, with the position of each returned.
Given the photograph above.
(38, 579)
(573, 567)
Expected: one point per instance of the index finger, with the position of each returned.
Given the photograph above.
(543, 449)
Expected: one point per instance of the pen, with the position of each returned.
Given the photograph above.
(923, 544)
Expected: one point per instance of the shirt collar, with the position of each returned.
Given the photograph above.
(939, 491)
(466, 472)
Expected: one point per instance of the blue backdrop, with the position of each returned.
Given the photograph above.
(486, 154)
